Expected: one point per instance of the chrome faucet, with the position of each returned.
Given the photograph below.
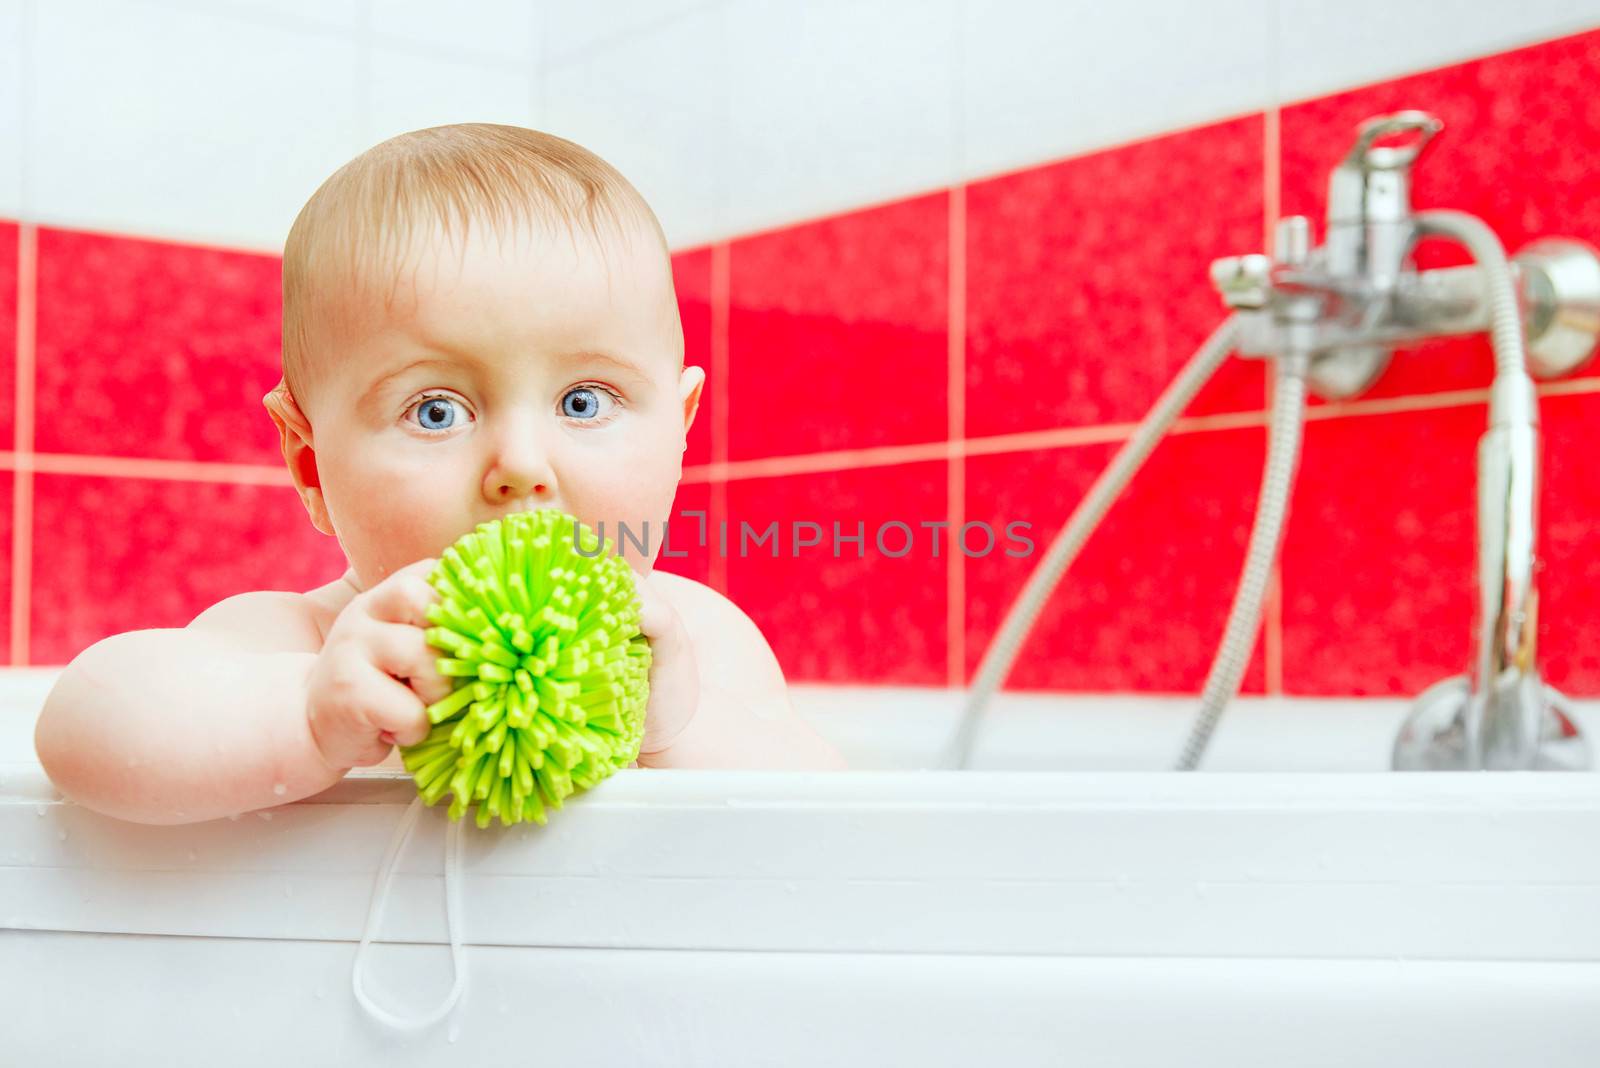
(1347, 303)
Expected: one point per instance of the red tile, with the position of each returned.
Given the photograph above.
(1569, 546)
(1521, 132)
(8, 333)
(158, 350)
(7, 510)
(1144, 606)
(690, 553)
(837, 332)
(1379, 564)
(1086, 296)
(865, 615)
(691, 273)
(117, 554)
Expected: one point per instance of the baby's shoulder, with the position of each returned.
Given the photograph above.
(276, 620)
(717, 627)
(700, 606)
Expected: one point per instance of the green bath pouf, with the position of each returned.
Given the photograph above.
(552, 671)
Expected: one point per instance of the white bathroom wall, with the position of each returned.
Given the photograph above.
(213, 122)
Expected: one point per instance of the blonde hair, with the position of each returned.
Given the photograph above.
(366, 213)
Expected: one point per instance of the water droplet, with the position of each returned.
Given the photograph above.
(38, 810)
(455, 1032)
(1200, 890)
(319, 993)
(288, 890)
(279, 789)
(264, 815)
(501, 1008)
(1122, 884)
(191, 854)
(233, 815)
(62, 835)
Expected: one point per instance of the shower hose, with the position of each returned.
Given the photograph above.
(1288, 412)
(1505, 322)
(1228, 667)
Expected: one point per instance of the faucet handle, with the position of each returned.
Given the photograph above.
(1243, 281)
(1247, 281)
(1364, 156)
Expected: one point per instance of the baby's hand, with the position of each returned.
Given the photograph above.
(674, 675)
(375, 675)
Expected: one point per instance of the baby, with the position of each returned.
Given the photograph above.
(477, 320)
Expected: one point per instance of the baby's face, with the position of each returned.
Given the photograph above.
(518, 372)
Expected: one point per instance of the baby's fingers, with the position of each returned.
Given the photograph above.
(402, 651)
(360, 717)
(396, 712)
(404, 596)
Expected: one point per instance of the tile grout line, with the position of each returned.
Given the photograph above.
(65, 463)
(955, 430)
(721, 286)
(1099, 148)
(1272, 206)
(22, 454)
(107, 466)
(1100, 434)
(956, 371)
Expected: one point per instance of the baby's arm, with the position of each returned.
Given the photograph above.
(744, 718)
(727, 732)
(182, 725)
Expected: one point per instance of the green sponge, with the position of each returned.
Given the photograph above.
(552, 671)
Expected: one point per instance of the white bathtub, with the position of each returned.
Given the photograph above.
(1294, 904)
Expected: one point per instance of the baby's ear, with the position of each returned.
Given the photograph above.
(690, 382)
(294, 440)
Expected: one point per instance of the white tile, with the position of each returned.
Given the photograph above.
(290, 14)
(570, 28)
(1326, 47)
(1046, 79)
(836, 104)
(182, 124)
(504, 29)
(12, 148)
(655, 107)
(410, 91)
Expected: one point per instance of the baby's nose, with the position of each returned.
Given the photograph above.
(520, 464)
(521, 476)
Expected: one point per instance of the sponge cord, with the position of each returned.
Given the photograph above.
(380, 896)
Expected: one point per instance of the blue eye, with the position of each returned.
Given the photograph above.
(581, 403)
(435, 413)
